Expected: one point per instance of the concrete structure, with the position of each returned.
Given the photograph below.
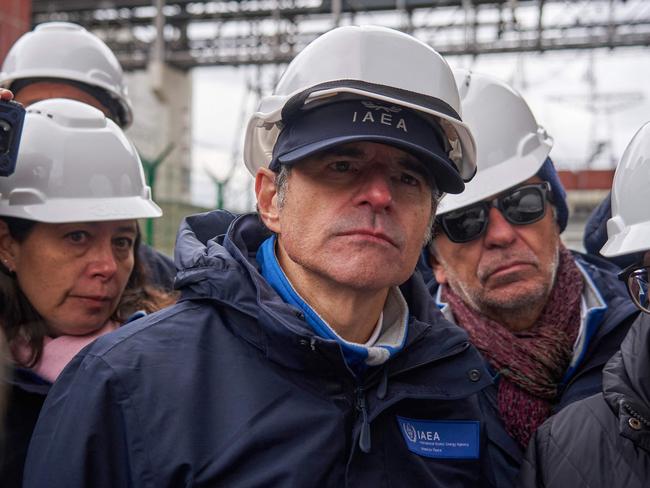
(162, 101)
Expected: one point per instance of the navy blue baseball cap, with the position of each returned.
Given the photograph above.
(333, 124)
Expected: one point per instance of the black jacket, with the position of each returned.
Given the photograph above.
(602, 441)
(26, 393)
(231, 387)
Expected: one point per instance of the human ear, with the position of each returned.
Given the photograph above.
(8, 247)
(267, 199)
(437, 267)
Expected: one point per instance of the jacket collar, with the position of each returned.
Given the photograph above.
(390, 330)
(215, 255)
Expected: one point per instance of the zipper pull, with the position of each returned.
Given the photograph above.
(364, 438)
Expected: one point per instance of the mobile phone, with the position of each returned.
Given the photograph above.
(12, 116)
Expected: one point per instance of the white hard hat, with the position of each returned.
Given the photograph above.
(511, 146)
(66, 51)
(363, 62)
(628, 229)
(75, 165)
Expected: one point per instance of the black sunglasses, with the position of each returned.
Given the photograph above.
(520, 206)
(635, 278)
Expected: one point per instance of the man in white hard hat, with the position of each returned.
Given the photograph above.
(604, 440)
(304, 351)
(546, 319)
(64, 60)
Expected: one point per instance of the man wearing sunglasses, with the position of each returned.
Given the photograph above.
(546, 319)
(604, 440)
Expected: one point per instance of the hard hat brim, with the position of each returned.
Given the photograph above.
(64, 210)
(632, 239)
(496, 179)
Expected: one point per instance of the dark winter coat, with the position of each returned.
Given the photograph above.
(605, 331)
(230, 387)
(27, 393)
(604, 440)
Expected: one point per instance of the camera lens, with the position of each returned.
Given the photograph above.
(5, 136)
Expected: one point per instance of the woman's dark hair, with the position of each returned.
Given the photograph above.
(19, 319)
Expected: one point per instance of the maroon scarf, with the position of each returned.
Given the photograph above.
(530, 363)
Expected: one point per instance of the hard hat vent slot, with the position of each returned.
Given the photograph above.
(529, 144)
(100, 76)
(26, 196)
(615, 226)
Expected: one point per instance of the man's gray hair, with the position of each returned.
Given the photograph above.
(436, 195)
(281, 183)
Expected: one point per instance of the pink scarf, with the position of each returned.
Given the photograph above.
(57, 351)
(531, 363)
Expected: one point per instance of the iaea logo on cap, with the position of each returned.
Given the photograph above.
(384, 117)
(374, 106)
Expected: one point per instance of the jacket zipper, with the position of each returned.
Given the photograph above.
(365, 441)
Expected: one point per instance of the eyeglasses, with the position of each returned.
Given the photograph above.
(520, 206)
(635, 278)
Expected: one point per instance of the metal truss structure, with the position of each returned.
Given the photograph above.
(190, 33)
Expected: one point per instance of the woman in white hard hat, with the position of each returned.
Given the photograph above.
(69, 268)
(604, 440)
(64, 60)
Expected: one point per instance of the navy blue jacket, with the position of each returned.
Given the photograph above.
(606, 331)
(230, 387)
(604, 440)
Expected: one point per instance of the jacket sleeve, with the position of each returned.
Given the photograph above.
(85, 435)
(534, 465)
